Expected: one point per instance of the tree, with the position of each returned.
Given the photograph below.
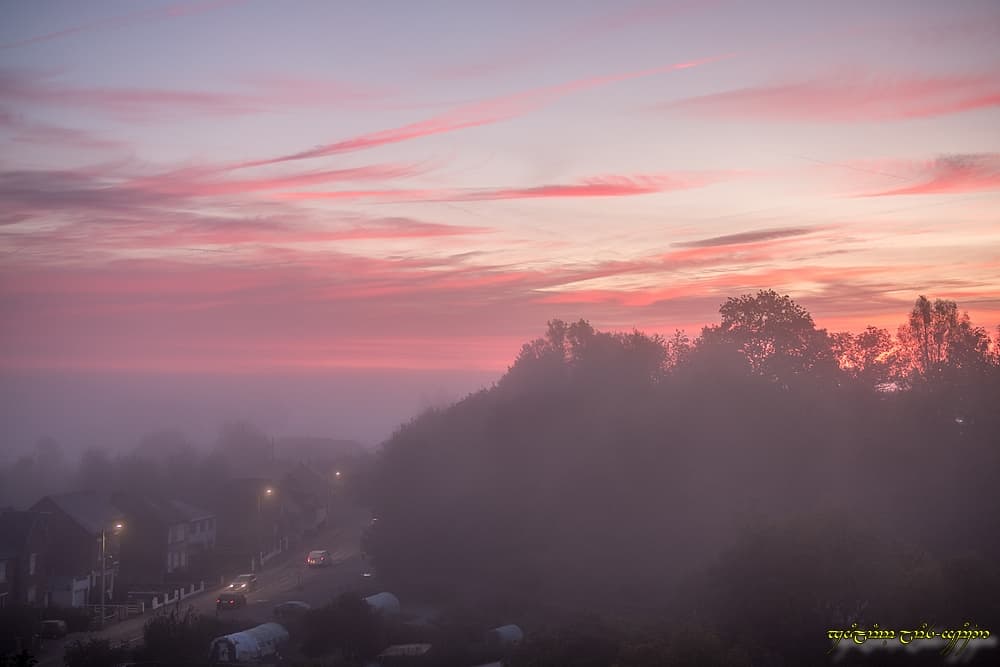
(776, 335)
(871, 357)
(22, 659)
(93, 653)
(246, 447)
(96, 470)
(348, 625)
(939, 342)
(925, 334)
(181, 638)
(678, 349)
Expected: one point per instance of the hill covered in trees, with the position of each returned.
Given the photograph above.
(757, 485)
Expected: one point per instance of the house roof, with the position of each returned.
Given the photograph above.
(164, 510)
(191, 512)
(92, 511)
(14, 530)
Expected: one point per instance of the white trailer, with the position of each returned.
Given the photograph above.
(254, 645)
(385, 603)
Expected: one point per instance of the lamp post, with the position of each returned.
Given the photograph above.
(267, 492)
(116, 529)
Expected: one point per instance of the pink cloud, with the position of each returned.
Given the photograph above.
(851, 98)
(170, 11)
(195, 182)
(600, 186)
(29, 132)
(202, 232)
(474, 115)
(295, 309)
(140, 104)
(951, 175)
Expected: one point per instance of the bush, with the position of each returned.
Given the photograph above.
(93, 653)
(22, 659)
(181, 638)
(348, 626)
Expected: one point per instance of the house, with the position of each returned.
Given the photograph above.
(201, 529)
(23, 542)
(81, 530)
(163, 538)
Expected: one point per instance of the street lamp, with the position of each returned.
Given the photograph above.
(266, 492)
(116, 529)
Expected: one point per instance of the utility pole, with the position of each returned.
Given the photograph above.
(104, 566)
(104, 569)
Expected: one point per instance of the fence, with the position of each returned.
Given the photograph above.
(140, 601)
(176, 595)
(112, 612)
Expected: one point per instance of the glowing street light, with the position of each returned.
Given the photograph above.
(266, 492)
(116, 529)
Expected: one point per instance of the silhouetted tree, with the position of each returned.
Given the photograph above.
(346, 625)
(176, 638)
(776, 335)
(93, 653)
(871, 357)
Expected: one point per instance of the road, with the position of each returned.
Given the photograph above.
(289, 579)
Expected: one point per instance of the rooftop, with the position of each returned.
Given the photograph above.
(92, 511)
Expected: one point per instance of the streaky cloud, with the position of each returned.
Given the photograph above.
(170, 11)
(952, 174)
(474, 115)
(600, 186)
(746, 237)
(850, 98)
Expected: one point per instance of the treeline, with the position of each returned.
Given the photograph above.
(165, 464)
(757, 486)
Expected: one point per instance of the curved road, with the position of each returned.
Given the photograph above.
(289, 579)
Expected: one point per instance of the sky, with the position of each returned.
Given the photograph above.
(396, 194)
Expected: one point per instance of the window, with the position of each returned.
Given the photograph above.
(32, 562)
(3, 597)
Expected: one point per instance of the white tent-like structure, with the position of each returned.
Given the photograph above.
(251, 645)
(505, 635)
(385, 603)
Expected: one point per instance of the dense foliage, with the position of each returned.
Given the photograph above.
(93, 653)
(181, 639)
(766, 475)
(346, 626)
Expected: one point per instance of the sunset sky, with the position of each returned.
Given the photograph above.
(247, 186)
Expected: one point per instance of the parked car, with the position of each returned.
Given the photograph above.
(230, 601)
(244, 582)
(291, 609)
(53, 629)
(321, 558)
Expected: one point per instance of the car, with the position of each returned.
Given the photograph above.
(230, 601)
(319, 558)
(244, 582)
(291, 609)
